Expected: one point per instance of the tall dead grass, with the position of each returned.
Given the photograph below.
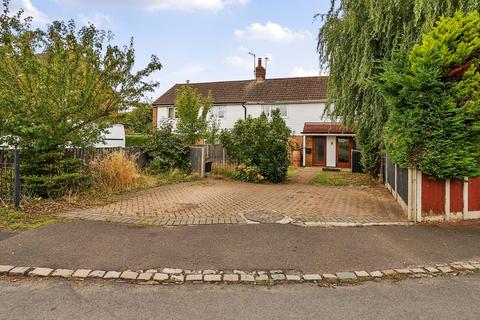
(118, 172)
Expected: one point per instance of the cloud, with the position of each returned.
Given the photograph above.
(99, 20)
(270, 31)
(179, 5)
(301, 72)
(29, 11)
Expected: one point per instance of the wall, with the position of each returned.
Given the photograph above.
(297, 114)
(309, 145)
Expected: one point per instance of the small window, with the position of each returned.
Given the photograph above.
(269, 109)
(219, 112)
(171, 113)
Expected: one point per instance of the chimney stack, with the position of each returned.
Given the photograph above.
(260, 71)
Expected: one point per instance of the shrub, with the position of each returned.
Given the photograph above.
(262, 143)
(52, 174)
(248, 173)
(167, 151)
(434, 98)
(117, 172)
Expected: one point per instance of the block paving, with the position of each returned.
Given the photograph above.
(215, 201)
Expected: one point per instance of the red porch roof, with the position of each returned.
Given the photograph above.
(326, 128)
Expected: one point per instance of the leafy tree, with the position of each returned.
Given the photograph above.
(63, 87)
(192, 110)
(212, 133)
(138, 120)
(434, 97)
(357, 37)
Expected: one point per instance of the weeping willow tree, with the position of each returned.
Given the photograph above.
(357, 38)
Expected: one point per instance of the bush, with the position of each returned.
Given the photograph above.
(434, 98)
(167, 151)
(52, 174)
(247, 173)
(117, 172)
(262, 143)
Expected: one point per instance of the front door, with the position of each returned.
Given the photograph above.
(344, 152)
(320, 151)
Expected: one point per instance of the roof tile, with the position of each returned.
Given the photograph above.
(250, 91)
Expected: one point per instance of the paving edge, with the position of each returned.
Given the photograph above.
(258, 277)
(236, 220)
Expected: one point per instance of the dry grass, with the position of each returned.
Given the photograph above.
(118, 172)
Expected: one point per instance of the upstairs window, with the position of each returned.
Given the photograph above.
(269, 109)
(219, 112)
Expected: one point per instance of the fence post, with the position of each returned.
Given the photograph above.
(16, 193)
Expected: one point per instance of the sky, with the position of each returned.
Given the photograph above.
(201, 40)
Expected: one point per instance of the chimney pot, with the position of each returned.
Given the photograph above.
(260, 71)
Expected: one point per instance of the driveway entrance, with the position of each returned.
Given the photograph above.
(222, 201)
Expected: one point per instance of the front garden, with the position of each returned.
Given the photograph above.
(63, 87)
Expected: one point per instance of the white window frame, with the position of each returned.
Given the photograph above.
(220, 112)
(268, 110)
(174, 113)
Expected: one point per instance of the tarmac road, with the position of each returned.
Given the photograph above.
(110, 246)
(436, 299)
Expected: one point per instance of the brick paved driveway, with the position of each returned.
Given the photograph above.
(220, 201)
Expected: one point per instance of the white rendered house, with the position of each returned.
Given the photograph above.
(301, 101)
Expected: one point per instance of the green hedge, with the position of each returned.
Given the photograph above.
(136, 140)
(434, 97)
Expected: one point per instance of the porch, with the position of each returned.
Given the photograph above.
(327, 145)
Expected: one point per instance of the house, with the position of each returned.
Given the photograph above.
(301, 101)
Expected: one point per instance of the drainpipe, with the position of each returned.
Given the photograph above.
(244, 111)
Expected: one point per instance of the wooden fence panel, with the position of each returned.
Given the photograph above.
(390, 173)
(474, 194)
(433, 196)
(402, 184)
(456, 196)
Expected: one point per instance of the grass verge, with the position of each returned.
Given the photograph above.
(342, 178)
(15, 220)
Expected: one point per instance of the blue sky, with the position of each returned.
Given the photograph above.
(202, 40)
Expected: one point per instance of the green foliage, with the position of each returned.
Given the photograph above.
(167, 151)
(136, 140)
(212, 133)
(260, 142)
(52, 174)
(62, 88)
(70, 93)
(248, 173)
(357, 38)
(434, 97)
(138, 120)
(192, 111)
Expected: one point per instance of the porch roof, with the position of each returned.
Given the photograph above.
(326, 128)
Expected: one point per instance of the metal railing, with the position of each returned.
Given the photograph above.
(10, 177)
